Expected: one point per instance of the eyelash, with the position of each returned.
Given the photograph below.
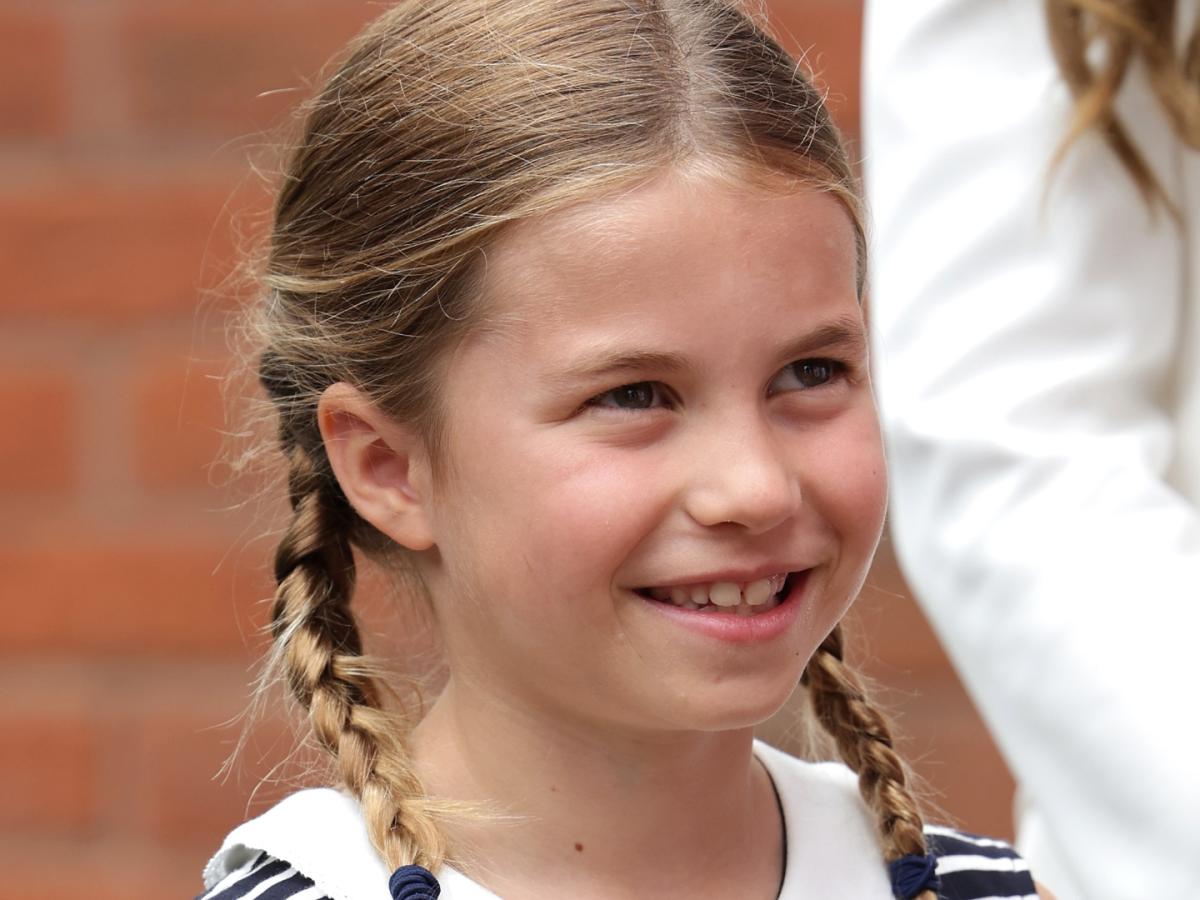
(656, 387)
(838, 370)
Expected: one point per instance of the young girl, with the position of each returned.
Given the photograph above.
(563, 322)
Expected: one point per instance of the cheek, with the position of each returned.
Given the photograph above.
(599, 501)
(534, 509)
(855, 483)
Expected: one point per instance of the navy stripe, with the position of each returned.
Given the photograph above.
(968, 884)
(286, 888)
(254, 863)
(245, 885)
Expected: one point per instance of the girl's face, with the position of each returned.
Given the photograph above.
(670, 405)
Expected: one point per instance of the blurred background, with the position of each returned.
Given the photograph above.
(131, 581)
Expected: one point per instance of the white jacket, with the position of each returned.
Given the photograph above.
(1036, 353)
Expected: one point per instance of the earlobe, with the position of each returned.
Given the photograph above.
(381, 465)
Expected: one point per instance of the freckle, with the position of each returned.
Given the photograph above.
(554, 789)
(579, 848)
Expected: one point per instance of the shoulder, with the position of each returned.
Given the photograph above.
(323, 838)
(263, 875)
(826, 791)
(787, 771)
(971, 866)
(821, 800)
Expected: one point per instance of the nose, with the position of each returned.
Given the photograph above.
(744, 477)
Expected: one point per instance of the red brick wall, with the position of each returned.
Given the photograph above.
(131, 593)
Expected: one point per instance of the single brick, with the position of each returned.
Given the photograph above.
(33, 84)
(39, 438)
(179, 414)
(47, 772)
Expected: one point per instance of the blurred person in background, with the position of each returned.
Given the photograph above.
(1034, 174)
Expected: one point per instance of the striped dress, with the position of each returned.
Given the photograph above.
(314, 846)
(969, 868)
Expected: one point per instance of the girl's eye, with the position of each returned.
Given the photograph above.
(639, 395)
(814, 372)
(806, 374)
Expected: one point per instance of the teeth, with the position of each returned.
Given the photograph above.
(725, 593)
(727, 596)
(758, 592)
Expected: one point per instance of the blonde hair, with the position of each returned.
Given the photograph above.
(1126, 31)
(445, 121)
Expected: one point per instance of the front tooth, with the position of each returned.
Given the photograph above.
(725, 593)
(759, 592)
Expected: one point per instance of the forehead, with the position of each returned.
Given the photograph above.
(669, 240)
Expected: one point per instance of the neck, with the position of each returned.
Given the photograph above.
(579, 811)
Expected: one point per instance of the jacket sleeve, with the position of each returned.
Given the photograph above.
(1026, 329)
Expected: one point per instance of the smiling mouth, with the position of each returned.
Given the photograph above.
(750, 598)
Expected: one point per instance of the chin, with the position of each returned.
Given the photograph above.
(733, 705)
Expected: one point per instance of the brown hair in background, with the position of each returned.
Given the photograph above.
(1127, 32)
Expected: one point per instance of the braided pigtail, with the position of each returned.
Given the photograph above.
(319, 650)
(864, 741)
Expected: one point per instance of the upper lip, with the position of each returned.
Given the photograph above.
(735, 576)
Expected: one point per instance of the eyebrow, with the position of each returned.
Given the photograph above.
(604, 364)
(844, 334)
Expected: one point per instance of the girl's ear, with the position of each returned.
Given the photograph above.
(381, 465)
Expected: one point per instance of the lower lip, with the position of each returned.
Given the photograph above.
(735, 629)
